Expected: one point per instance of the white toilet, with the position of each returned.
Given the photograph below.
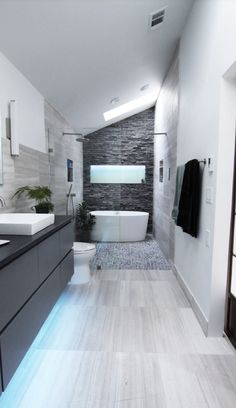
(83, 253)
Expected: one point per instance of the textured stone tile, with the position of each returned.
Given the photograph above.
(127, 142)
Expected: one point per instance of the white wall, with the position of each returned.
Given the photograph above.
(227, 121)
(207, 50)
(13, 85)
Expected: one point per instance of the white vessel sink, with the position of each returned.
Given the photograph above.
(24, 224)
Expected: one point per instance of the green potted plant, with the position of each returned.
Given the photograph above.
(41, 194)
(84, 222)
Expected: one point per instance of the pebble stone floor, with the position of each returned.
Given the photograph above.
(133, 255)
(128, 339)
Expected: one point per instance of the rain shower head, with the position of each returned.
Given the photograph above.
(79, 138)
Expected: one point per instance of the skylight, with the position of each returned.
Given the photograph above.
(130, 106)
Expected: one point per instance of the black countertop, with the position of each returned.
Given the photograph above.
(22, 243)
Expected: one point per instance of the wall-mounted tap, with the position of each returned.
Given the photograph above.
(2, 202)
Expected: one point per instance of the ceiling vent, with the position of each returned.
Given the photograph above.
(156, 18)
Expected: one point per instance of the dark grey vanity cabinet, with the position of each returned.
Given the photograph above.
(66, 269)
(48, 256)
(65, 235)
(20, 333)
(18, 281)
(29, 287)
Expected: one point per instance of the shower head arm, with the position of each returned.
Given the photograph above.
(80, 137)
(72, 134)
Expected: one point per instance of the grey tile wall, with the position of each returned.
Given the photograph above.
(35, 168)
(31, 167)
(127, 142)
(64, 147)
(165, 148)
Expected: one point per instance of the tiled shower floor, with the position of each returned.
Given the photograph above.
(130, 255)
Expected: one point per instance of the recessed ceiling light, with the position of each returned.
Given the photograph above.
(115, 100)
(144, 87)
(130, 106)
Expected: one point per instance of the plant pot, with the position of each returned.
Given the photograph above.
(40, 209)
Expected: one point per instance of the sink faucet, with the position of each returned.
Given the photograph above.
(2, 202)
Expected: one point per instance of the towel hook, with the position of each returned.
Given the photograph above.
(204, 161)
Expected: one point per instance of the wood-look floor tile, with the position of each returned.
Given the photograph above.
(151, 402)
(129, 329)
(105, 275)
(23, 380)
(218, 380)
(168, 294)
(130, 376)
(126, 293)
(92, 404)
(97, 379)
(75, 295)
(133, 274)
(197, 341)
(64, 368)
(66, 329)
(127, 342)
(133, 331)
(181, 385)
(103, 293)
(95, 335)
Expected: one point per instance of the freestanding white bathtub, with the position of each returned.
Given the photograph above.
(119, 226)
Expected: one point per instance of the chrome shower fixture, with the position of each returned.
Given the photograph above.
(79, 138)
(70, 200)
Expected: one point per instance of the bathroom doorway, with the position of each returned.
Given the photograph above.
(230, 322)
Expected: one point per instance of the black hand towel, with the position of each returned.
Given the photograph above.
(189, 204)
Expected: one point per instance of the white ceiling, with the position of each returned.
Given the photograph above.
(81, 54)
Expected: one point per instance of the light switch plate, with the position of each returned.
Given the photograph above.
(207, 238)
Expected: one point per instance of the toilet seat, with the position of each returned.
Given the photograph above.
(81, 247)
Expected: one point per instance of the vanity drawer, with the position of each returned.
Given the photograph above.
(48, 256)
(0, 381)
(18, 281)
(66, 239)
(18, 336)
(67, 269)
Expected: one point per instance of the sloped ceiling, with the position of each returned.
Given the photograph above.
(81, 54)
